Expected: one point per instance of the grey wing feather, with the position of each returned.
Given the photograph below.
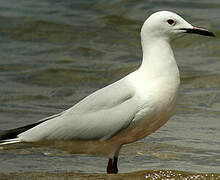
(98, 116)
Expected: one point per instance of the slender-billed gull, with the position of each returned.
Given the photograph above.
(127, 110)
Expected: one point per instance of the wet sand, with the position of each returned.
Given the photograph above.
(147, 174)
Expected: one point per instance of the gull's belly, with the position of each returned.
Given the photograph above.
(154, 111)
(150, 118)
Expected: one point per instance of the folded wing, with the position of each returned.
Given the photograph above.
(98, 116)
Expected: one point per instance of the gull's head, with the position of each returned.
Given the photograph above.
(167, 25)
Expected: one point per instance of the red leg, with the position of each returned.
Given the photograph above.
(112, 163)
(115, 166)
(110, 166)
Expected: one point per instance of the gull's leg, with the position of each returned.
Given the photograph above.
(109, 166)
(115, 167)
(112, 167)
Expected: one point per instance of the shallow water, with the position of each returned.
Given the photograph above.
(54, 53)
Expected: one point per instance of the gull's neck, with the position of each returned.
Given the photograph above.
(158, 59)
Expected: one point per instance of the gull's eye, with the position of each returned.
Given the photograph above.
(170, 21)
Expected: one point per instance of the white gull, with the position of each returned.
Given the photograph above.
(125, 111)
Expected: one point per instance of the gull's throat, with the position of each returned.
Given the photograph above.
(159, 60)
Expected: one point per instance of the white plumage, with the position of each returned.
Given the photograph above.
(131, 108)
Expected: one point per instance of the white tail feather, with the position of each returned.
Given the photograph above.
(10, 141)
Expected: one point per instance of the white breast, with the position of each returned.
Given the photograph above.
(157, 102)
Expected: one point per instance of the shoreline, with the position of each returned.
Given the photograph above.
(146, 174)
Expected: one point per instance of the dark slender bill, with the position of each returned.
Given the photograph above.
(201, 31)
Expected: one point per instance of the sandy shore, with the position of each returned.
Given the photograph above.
(147, 175)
